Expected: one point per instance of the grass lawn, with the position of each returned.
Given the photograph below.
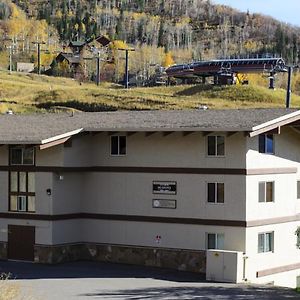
(30, 92)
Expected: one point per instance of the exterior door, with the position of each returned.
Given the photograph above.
(224, 266)
(21, 240)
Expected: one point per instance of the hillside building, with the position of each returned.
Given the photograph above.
(159, 188)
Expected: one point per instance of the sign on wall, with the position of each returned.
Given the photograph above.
(164, 187)
(163, 203)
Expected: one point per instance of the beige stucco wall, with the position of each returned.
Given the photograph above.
(131, 193)
(53, 156)
(67, 196)
(43, 202)
(172, 235)
(285, 194)
(286, 146)
(173, 150)
(285, 253)
(68, 231)
(79, 154)
(287, 154)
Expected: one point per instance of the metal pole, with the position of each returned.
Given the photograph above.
(39, 55)
(98, 69)
(289, 89)
(10, 59)
(126, 69)
(39, 58)
(272, 79)
(126, 75)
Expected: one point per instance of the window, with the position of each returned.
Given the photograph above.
(298, 189)
(266, 143)
(215, 145)
(215, 241)
(22, 191)
(266, 191)
(118, 145)
(266, 242)
(22, 155)
(215, 192)
(21, 202)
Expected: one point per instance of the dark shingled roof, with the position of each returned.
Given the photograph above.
(70, 57)
(33, 128)
(206, 120)
(38, 127)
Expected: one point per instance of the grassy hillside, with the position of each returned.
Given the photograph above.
(27, 93)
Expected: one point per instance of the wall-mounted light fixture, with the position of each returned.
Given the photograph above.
(48, 191)
(59, 176)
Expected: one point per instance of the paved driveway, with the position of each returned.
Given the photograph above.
(88, 280)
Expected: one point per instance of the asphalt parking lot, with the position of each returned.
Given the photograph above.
(89, 280)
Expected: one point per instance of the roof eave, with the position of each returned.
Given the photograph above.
(166, 129)
(61, 136)
(46, 141)
(275, 123)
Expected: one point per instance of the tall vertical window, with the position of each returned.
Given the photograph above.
(266, 242)
(118, 145)
(22, 183)
(266, 191)
(215, 241)
(216, 145)
(215, 192)
(266, 143)
(21, 155)
(22, 191)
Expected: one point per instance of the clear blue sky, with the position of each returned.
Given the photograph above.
(284, 10)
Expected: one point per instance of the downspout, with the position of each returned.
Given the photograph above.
(244, 266)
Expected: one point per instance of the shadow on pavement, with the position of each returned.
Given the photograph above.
(239, 292)
(23, 270)
(192, 285)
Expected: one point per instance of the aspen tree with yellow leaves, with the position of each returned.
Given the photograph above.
(168, 60)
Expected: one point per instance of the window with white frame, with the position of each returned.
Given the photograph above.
(266, 242)
(22, 191)
(215, 192)
(21, 155)
(215, 241)
(266, 191)
(118, 145)
(266, 143)
(215, 145)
